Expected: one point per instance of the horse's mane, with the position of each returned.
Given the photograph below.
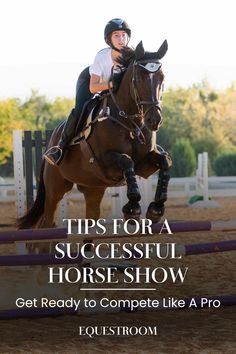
(127, 56)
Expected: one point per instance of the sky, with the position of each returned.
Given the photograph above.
(45, 44)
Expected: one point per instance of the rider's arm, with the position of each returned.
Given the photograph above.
(96, 85)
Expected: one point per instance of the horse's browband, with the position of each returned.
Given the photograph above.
(150, 65)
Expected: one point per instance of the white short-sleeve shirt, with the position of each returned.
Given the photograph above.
(102, 64)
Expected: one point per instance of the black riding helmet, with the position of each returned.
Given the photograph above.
(116, 24)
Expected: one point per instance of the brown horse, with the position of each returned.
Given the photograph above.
(122, 144)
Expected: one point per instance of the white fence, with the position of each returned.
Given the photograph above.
(178, 187)
(184, 187)
(217, 186)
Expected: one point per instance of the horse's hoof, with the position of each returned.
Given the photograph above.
(131, 211)
(155, 212)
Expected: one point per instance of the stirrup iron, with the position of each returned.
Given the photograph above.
(49, 150)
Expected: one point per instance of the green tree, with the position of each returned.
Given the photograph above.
(200, 113)
(184, 160)
(61, 108)
(225, 165)
(37, 111)
(10, 119)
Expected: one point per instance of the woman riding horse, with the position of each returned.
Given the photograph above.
(92, 80)
(121, 145)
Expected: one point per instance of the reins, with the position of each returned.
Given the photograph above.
(135, 130)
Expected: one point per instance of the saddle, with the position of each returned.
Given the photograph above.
(89, 115)
(88, 111)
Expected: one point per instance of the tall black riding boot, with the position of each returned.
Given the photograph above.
(54, 155)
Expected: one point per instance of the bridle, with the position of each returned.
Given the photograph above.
(152, 66)
(135, 131)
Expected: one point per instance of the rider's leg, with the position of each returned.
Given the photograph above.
(55, 154)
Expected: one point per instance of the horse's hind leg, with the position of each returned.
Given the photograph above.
(55, 188)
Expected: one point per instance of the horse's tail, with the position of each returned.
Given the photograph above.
(33, 215)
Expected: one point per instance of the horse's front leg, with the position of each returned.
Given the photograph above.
(156, 208)
(156, 160)
(132, 209)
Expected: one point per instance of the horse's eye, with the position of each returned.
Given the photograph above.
(163, 87)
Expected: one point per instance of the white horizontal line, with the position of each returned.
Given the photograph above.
(119, 289)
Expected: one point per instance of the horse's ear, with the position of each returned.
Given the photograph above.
(139, 51)
(162, 50)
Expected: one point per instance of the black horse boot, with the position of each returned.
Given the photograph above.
(54, 155)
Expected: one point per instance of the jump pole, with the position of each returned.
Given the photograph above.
(211, 247)
(188, 226)
(32, 235)
(49, 235)
(47, 259)
(60, 233)
(225, 300)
